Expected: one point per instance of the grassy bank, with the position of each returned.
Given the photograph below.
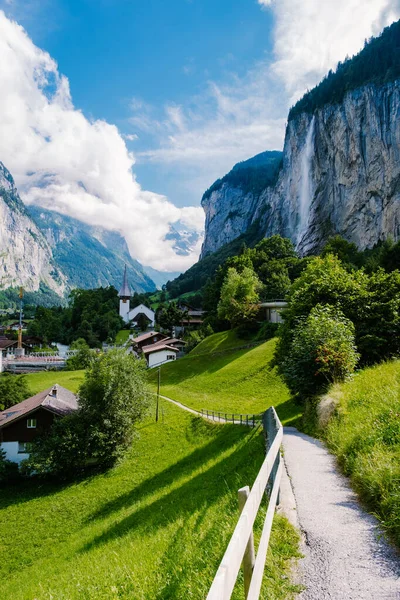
(364, 433)
(38, 382)
(154, 528)
(229, 380)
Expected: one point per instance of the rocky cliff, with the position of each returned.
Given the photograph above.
(340, 174)
(340, 170)
(25, 256)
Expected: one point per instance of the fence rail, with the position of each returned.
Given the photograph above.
(237, 419)
(241, 546)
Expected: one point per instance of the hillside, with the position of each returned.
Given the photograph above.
(218, 376)
(364, 433)
(153, 528)
(89, 256)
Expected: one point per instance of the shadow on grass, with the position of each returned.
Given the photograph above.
(227, 436)
(195, 494)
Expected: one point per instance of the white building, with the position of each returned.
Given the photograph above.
(124, 305)
(274, 310)
(159, 354)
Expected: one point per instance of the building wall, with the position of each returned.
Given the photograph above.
(11, 450)
(160, 357)
(19, 432)
(124, 310)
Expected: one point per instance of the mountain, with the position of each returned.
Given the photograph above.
(25, 255)
(340, 168)
(89, 256)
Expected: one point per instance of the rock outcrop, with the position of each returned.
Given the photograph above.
(340, 174)
(25, 256)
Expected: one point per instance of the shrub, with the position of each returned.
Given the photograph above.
(239, 296)
(322, 352)
(8, 469)
(83, 357)
(13, 389)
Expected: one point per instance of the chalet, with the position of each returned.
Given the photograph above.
(8, 346)
(15, 326)
(21, 423)
(158, 354)
(146, 339)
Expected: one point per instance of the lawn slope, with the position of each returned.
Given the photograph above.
(154, 528)
(37, 382)
(240, 381)
(365, 435)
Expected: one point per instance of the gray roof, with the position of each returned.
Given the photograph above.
(125, 291)
(56, 399)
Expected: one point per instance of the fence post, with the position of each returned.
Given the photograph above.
(271, 429)
(241, 419)
(254, 421)
(249, 554)
(226, 418)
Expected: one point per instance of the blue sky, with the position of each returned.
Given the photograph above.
(118, 51)
(122, 112)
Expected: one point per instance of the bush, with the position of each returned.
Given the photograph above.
(83, 357)
(13, 389)
(8, 470)
(322, 352)
(267, 331)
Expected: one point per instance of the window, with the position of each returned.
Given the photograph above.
(170, 356)
(24, 447)
(31, 423)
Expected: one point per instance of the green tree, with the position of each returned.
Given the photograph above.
(13, 389)
(239, 296)
(112, 399)
(83, 356)
(322, 352)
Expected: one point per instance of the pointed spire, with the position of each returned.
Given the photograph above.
(125, 291)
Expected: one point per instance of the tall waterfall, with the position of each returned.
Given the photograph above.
(305, 197)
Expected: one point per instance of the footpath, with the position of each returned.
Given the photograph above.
(346, 556)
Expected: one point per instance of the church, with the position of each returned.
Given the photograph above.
(126, 312)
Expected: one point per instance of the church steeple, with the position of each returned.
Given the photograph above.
(125, 292)
(124, 297)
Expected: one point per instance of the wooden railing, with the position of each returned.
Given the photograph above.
(240, 549)
(237, 419)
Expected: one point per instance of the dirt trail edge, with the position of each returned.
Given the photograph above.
(345, 555)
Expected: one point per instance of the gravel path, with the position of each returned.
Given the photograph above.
(346, 558)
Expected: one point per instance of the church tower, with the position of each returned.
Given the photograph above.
(124, 297)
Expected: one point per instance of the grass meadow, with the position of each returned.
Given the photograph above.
(364, 433)
(216, 376)
(38, 382)
(153, 528)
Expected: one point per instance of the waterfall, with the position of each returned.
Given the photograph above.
(305, 183)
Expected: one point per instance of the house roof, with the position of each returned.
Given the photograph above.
(125, 291)
(170, 341)
(6, 343)
(55, 399)
(147, 336)
(157, 348)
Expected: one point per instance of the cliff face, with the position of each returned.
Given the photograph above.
(340, 174)
(25, 256)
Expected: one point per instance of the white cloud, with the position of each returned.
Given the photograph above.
(82, 168)
(233, 121)
(312, 36)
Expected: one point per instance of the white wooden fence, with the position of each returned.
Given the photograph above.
(241, 546)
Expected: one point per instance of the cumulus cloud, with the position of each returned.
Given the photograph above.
(61, 160)
(312, 36)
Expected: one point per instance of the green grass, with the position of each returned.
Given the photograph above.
(38, 382)
(122, 337)
(240, 381)
(153, 528)
(365, 435)
(220, 342)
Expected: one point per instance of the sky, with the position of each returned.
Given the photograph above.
(122, 112)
